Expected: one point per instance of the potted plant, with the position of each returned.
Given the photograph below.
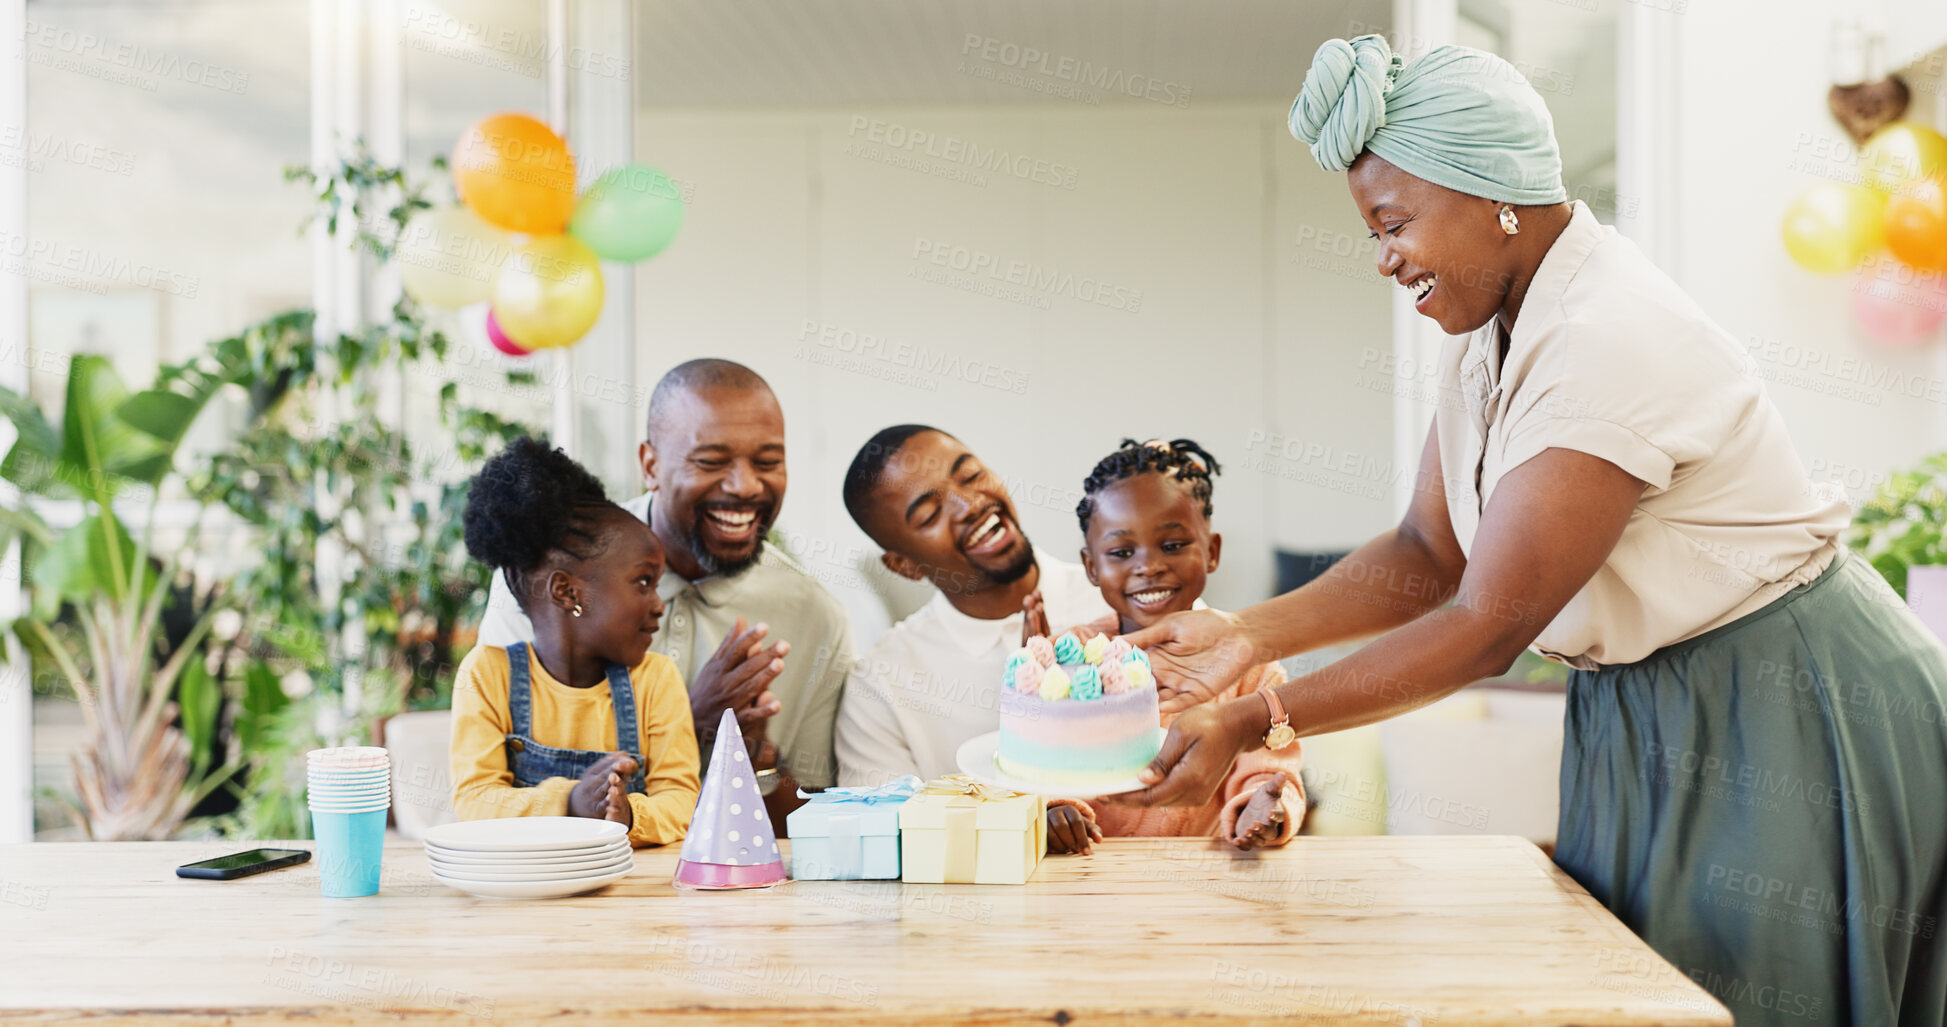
(100, 594)
(1900, 531)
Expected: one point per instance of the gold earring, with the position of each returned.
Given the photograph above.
(577, 610)
(1509, 223)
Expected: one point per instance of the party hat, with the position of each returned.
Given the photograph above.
(731, 843)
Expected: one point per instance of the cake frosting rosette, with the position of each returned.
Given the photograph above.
(1075, 713)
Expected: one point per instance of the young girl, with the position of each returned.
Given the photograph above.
(585, 721)
(1147, 544)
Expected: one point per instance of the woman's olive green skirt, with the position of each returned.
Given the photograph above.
(1766, 805)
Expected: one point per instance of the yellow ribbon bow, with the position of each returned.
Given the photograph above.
(961, 784)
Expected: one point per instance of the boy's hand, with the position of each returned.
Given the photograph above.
(1262, 819)
(1034, 618)
(1070, 829)
(594, 796)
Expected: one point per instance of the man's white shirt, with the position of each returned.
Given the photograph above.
(934, 681)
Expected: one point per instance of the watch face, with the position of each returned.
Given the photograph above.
(1280, 736)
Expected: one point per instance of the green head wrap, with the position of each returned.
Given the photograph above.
(1456, 116)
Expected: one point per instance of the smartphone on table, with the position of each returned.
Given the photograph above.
(242, 864)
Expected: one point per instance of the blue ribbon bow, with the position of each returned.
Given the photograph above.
(895, 790)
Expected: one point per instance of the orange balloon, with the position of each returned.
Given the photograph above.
(1916, 224)
(515, 172)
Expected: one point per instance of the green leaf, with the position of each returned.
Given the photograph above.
(263, 701)
(162, 415)
(23, 522)
(86, 561)
(68, 571)
(149, 470)
(44, 604)
(197, 703)
(98, 447)
(30, 463)
(34, 473)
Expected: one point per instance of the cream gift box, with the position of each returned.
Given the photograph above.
(958, 831)
(849, 834)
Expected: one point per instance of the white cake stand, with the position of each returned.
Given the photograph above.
(976, 760)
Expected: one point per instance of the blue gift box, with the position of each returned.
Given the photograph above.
(849, 834)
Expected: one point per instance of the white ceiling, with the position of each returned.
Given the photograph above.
(707, 53)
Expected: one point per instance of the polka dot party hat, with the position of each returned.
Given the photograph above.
(730, 842)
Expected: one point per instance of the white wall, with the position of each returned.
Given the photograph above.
(1213, 224)
(1751, 132)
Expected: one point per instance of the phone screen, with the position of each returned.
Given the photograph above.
(239, 860)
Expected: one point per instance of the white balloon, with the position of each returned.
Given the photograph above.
(448, 257)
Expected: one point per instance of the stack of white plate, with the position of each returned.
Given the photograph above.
(529, 857)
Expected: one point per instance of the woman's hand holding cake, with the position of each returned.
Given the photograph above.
(1197, 753)
(1197, 656)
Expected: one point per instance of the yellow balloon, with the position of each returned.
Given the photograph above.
(549, 292)
(448, 257)
(1900, 153)
(1832, 227)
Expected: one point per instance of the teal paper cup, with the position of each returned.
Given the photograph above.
(349, 848)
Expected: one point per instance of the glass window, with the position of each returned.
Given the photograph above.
(155, 143)
(1567, 51)
(463, 60)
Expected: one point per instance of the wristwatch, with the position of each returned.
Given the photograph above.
(1281, 733)
(769, 778)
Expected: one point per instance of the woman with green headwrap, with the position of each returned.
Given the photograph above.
(1755, 771)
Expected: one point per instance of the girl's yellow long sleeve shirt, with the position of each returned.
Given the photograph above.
(572, 718)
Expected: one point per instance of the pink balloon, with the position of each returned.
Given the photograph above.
(501, 341)
(1897, 306)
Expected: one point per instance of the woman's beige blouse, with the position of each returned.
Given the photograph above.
(1609, 357)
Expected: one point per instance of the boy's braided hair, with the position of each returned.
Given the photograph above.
(1182, 459)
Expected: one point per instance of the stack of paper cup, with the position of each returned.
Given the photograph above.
(350, 789)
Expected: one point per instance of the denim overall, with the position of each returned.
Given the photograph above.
(532, 762)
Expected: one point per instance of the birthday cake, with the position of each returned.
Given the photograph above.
(1077, 713)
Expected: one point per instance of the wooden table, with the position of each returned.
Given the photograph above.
(1397, 931)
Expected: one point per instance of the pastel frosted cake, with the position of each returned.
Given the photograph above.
(1077, 713)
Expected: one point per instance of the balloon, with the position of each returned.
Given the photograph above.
(1897, 306)
(1900, 153)
(549, 293)
(501, 341)
(1830, 227)
(629, 214)
(448, 257)
(1916, 224)
(516, 173)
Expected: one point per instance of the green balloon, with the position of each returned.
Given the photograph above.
(629, 214)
